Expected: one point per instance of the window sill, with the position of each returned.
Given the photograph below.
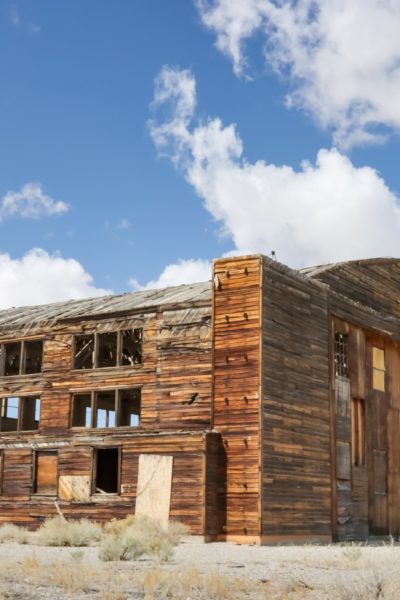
(106, 369)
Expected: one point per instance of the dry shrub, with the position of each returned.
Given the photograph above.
(58, 531)
(13, 533)
(130, 538)
(158, 584)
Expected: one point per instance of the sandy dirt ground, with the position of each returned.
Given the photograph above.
(217, 571)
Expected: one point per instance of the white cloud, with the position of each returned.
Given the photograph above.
(185, 271)
(14, 16)
(30, 203)
(39, 278)
(325, 211)
(342, 58)
(123, 224)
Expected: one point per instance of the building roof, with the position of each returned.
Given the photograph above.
(318, 269)
(49, 314)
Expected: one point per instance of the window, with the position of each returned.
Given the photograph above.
(378, 369)
(106, 471)
(19, 414)
(21, 358)
(358, 432)
(108, 408)
(46, 473)
(111, 349)
(341, 354)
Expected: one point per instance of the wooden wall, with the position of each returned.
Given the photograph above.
(296, 454)
(236, 389)
(175, 378)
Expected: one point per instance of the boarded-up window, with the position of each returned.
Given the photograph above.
(358, 432)
(341, 354)
(378, 369)
(46, 473)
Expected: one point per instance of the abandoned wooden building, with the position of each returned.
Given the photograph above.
(261, 407)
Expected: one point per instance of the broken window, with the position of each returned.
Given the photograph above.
(20, 358)
(341, 354)
(106, 476)
(84, 352)
(110, 408)
(46, 472)
(107, 350)
(111, 349)
(129, 408)
(105, 409)
(19, 414)
(358, 432)
(131, 347)
(82, 410)
(378, 369)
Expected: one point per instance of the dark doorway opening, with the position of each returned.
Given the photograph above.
(107, 471)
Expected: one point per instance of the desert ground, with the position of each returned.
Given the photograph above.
(216, 571)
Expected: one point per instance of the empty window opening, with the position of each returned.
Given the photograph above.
(107, 350)
(129, 408)
(19, 358)
(82, 410)
(131, 347)
(108, 408)
(46, 473)
(105, 409)
(112, 349)
(378, 369)
(358, 432)
(341, 354)
(84, 351)
(107, 471)
(9, 414)
(19, 414)
(33, 356)
(30, 413)
(12, 358)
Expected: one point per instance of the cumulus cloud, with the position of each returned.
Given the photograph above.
(184, 271)
(326, 210)
(30, 203)
(39, 277)
(342, 58)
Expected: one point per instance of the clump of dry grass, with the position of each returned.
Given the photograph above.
(13, 533)
(130, 538)
(58, 531)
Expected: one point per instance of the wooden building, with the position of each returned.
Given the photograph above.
(261, 407)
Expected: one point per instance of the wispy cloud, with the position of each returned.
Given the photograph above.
(30, 203)
(342, 58)
(327, 210)
(17, 20)
(124, 224)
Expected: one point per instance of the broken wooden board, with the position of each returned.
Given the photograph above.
(74, 487)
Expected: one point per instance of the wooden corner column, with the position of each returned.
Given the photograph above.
(236, 393)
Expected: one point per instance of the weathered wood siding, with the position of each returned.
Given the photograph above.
(236, 386)
(175, 379)
(296, 454)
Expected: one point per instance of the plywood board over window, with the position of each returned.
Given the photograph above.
(46, 473)
(378, 369)
(154, 487)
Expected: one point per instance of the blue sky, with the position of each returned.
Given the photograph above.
(113, 187)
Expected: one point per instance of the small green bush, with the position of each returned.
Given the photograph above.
(13, 533)
(58, 531)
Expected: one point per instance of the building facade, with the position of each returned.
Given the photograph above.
(261, 407)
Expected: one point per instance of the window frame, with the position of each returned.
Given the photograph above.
(22, 358)
(358, 433)
(341, 354)
(93, 406)
(96, 346)
(94, 471)
(20, 413)
(377, 370)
